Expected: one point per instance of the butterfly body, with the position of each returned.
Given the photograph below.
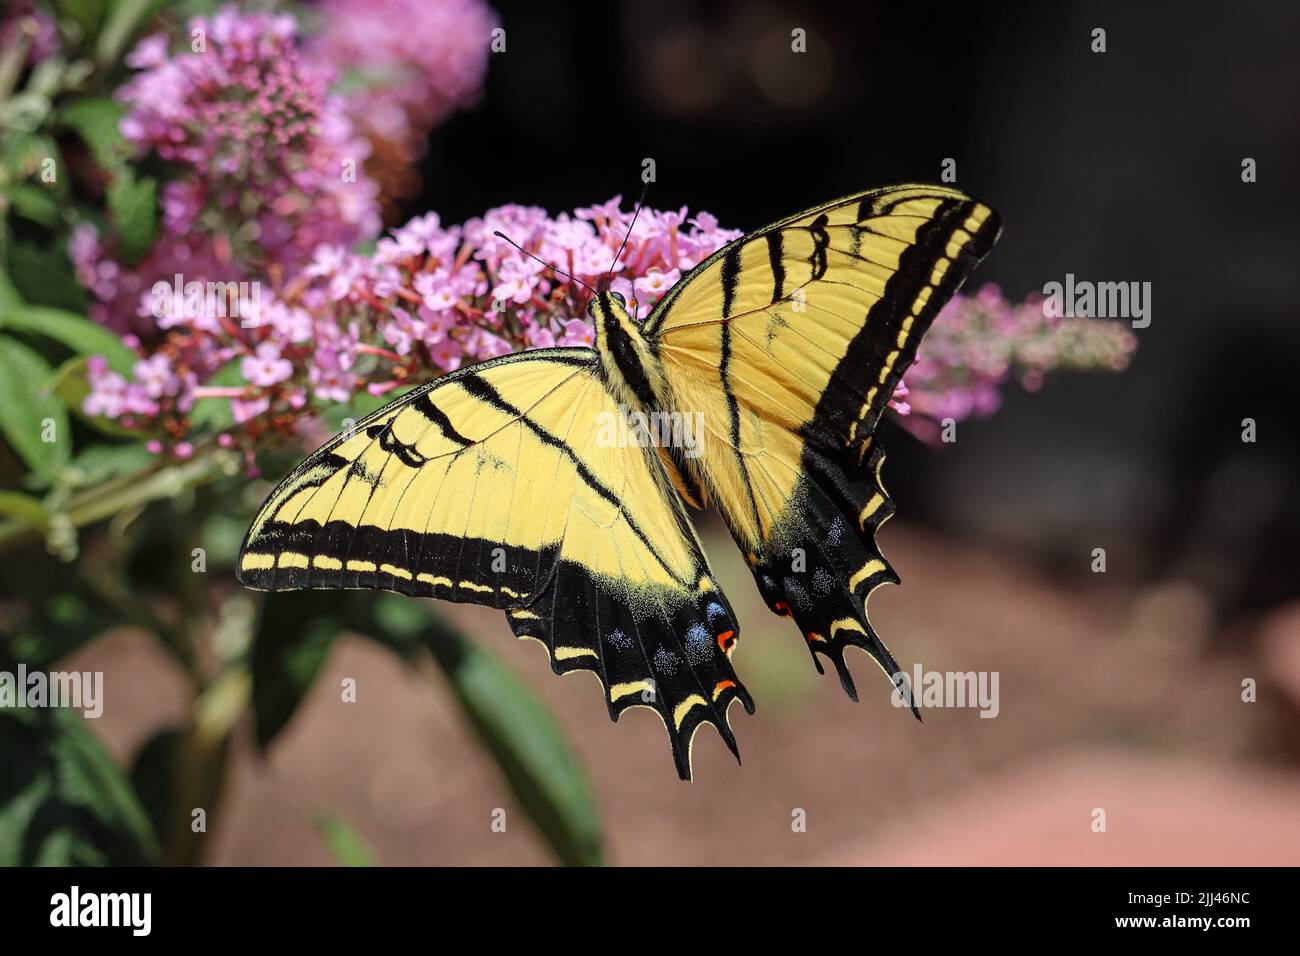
(495, 485)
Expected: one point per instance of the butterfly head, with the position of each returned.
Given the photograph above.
(616, 330)
(629, 364)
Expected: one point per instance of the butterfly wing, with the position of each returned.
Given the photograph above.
(789, 342)
(492, 486)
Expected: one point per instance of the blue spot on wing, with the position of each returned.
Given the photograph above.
(666, 661)
(823, 581)
(699, 644)
(836, 532)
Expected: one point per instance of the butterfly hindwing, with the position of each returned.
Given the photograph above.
(492, 486)
(790, 341)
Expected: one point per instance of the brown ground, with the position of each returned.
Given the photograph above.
(1108, 700)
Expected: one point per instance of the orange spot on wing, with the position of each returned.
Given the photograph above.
(726, 640)
(721, 686)
(780, 607)
(814, 636)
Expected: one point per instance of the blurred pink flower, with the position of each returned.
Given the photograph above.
(979, 342)
(409, 63)
(268, 167)
(25, 19)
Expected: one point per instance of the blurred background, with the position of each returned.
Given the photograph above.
(1120, 690)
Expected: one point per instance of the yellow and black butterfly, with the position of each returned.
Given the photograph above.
(492, 485)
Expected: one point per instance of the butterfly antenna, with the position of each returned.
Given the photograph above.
(639, 203)
(549, 265)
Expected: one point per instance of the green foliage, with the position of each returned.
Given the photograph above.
(97, 120)
(125, 19)
(346, 845)
(527, 744)
(133, 204)
(34, 203)
(63, 800)
(57, 627)
(295, 636)
(101, 463)
(88, 14)
(15, 504)
(76, 332)
(30, 410)
(517, 730)
(44, 275)
(153, 775)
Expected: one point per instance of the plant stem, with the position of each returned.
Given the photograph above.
(140, 488)
(202, 763)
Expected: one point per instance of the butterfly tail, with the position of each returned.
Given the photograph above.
(669, 653)
(826, 566)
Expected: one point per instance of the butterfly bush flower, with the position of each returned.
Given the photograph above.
(977, 343)
(429, 299)
(268, 166)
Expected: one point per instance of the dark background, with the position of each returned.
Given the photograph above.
(1118, 166)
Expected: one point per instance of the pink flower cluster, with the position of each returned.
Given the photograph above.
(407, 64)
(979, 342)
(427, 300)
(269, 167)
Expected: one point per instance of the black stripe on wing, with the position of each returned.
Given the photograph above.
(856, 394)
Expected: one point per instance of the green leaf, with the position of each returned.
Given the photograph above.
(15, 504)
(133, 204)
(77, 332)
(63, 801)
(25, 410)
(36, 203)
(26, 156)
(125, 18)
(293, 639)
(346, 845)
(396, 623)
(223, 534)
(9, 296)
(63, 621)
(98, 463)
(88, 14)
(44, 276)
(153, 775)
(527, 744)
(97, 120)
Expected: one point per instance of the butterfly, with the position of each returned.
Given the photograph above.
(497, 485)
